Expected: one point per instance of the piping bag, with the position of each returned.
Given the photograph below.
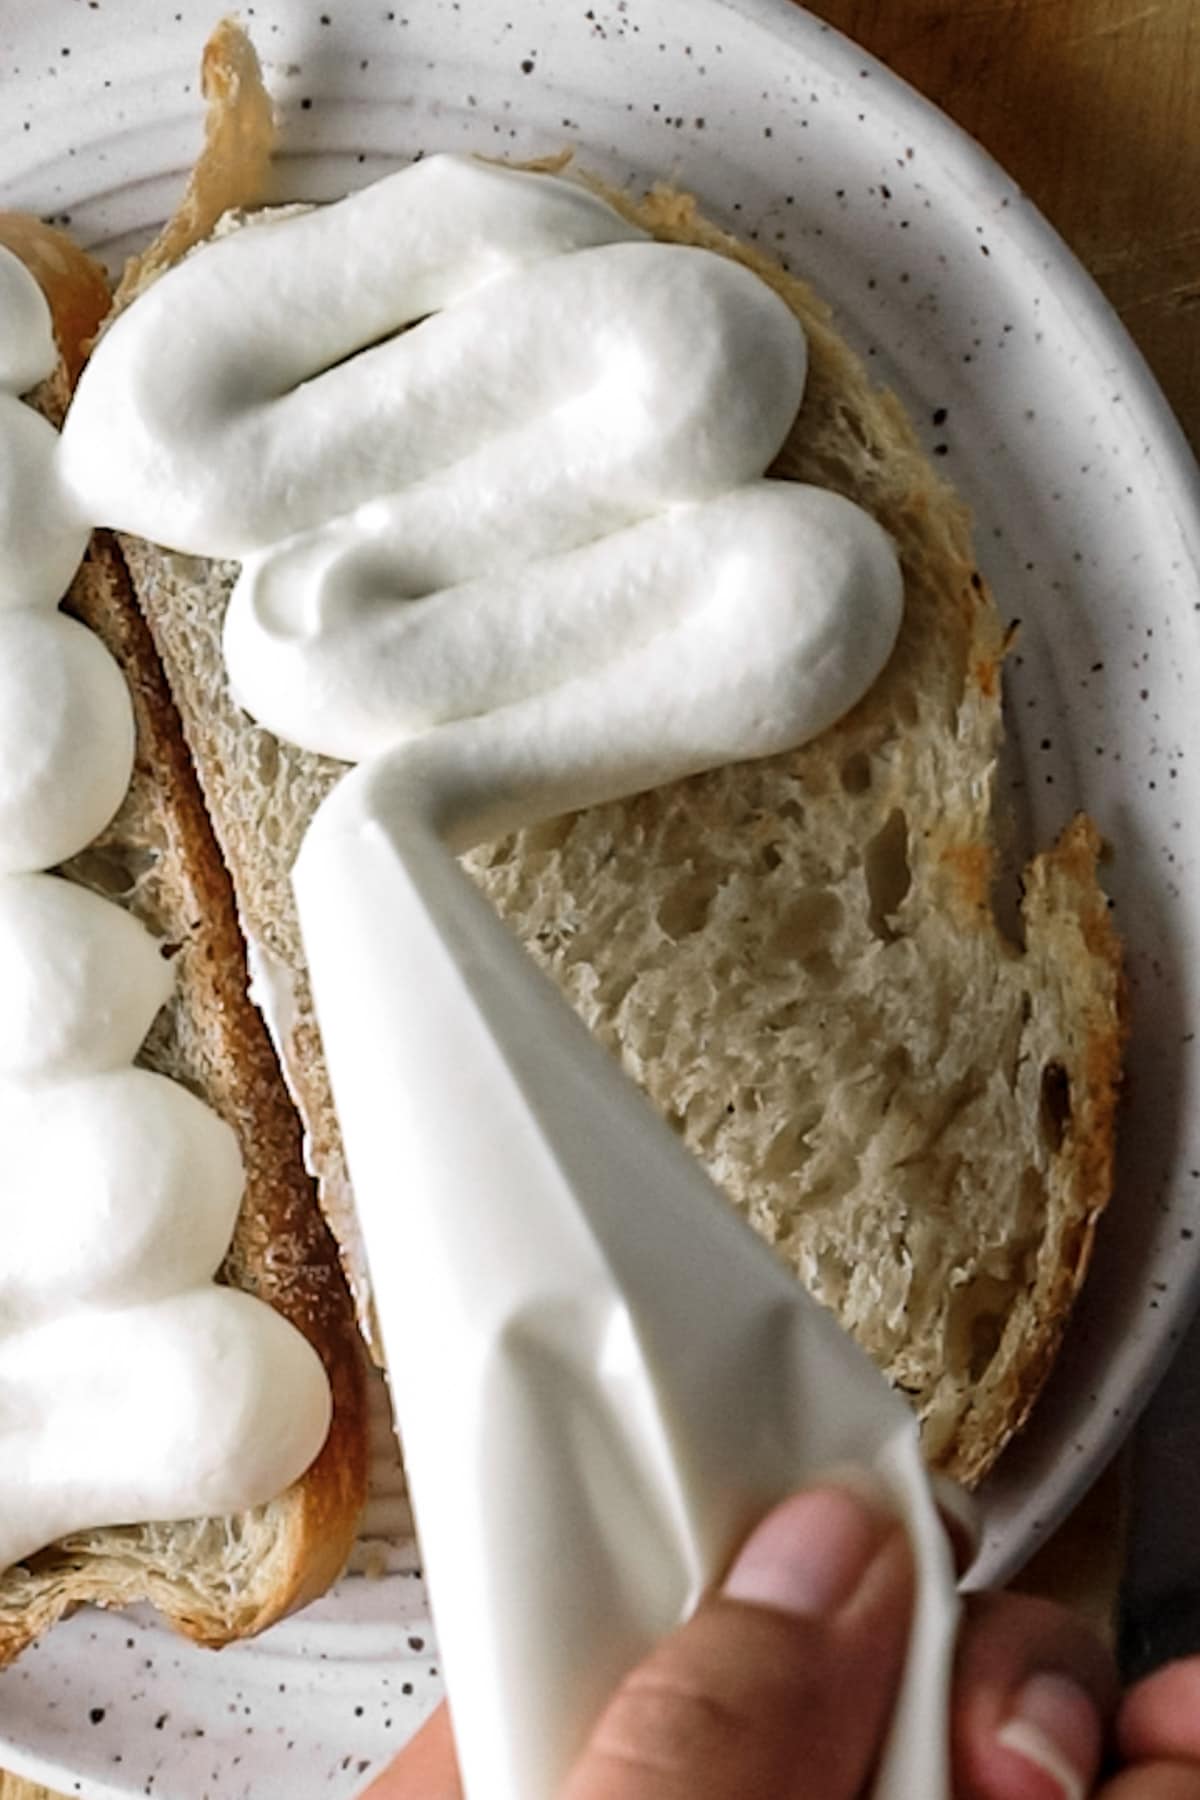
(602, 1378)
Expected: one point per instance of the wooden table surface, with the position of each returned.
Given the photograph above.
(1094, 107)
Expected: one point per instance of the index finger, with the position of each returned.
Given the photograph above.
(426, 1769)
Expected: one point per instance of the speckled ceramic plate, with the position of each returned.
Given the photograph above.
(1018, 376)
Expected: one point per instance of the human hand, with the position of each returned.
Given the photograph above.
(782, 1684)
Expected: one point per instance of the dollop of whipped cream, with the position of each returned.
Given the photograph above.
(41, 538)
(194, 1405)
(66, 738)
(82, 980)
(496, 488)
(134, 1389)
(28, 352)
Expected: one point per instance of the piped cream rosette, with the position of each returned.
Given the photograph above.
(134, 1389)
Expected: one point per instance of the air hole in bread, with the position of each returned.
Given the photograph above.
(839, 1174)
(264, 753)
(886, 866)
(986, 1332)
(113, 872)
(608, 993)
(1055, 1114)
(895, 1067)
(856, 773)
(978, 1314)
(792, 812)
(496, 855)
(811, 918)
(685, 908)
(822, 968)
(1030, 1222)
(831, 1279)
(908, 709)
(551, 834)
(788, 1152)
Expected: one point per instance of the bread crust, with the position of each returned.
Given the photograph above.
(214, 1580)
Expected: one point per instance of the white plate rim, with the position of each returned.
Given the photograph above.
(965, 161)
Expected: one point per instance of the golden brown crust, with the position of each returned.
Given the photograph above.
(239, 136)
(1062, 885)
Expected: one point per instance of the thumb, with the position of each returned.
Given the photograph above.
(782, 1684)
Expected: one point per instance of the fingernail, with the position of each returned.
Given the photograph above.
(1056, 1727)
(809, 1555)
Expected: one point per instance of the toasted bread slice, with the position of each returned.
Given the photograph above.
(798, 959)
(216, 1579)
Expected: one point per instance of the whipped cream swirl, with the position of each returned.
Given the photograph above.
(496, 488)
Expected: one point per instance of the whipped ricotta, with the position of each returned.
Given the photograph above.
(494, 465)
(134, 1389)
(193, 1405)
(82, 981)
(42, 537)
(66, 738)
(28, 352)
(503, 466)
